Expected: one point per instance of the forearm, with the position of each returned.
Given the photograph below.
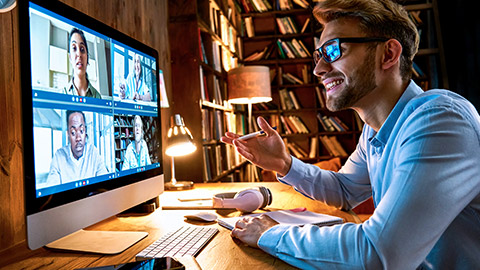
(329, 187)
(311, 247)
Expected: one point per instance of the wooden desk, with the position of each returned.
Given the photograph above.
(221, 253)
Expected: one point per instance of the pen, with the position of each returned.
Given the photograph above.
(254, 134)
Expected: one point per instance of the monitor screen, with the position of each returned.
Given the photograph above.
(91, 114)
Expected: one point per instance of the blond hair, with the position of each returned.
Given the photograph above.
(377, 18)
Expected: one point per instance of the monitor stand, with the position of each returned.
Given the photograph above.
(104, 242)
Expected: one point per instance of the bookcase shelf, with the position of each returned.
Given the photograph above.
(124, 135)
(207, 38)
(204, 46)
(429, 62)
(305, 143)
(430, 68)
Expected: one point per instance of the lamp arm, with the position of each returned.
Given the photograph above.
(174, 180)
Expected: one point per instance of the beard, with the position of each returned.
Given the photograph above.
(362, 82)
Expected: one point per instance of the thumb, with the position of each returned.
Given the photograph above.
(265, 126)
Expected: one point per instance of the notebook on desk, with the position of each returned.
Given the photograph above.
(288, 217)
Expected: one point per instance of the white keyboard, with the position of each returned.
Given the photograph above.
(186, 241)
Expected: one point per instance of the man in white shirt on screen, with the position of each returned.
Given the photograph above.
(78, 159)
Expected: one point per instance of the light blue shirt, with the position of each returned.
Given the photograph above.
(65, 168)
(422, 169)
(134, 159)
(130, 87)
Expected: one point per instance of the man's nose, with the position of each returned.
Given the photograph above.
(321, 68)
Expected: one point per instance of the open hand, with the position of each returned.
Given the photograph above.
(267, 152)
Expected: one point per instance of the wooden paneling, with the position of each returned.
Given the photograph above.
(12, 223)
(144, 20)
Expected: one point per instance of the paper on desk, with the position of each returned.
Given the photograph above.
(289, 218)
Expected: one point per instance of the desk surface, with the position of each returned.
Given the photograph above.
(221, 253)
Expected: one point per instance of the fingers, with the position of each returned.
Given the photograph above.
(240, 227)
(229, 137)
(243, 150)
(237, 233)
(265, 126)
(241, 223)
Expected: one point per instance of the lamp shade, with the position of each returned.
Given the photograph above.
(249, 84)
(179, 138)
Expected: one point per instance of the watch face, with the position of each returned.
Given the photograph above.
(7, 5)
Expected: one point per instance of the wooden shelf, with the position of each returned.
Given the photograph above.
(203, 36)
(305, 92)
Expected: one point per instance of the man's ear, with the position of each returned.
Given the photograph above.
(391, 53)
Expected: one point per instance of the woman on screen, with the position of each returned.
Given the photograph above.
(135, 87)
(78, 53)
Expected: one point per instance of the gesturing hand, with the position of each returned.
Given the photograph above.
(267, 152)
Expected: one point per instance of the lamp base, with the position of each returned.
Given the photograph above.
(180, 185)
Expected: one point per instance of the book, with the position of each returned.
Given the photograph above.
(301, 3)
(313, 147)
(288, 217)
(249, 26)
(304, 27)
(285, 100)
(294, 99)
(294, 151)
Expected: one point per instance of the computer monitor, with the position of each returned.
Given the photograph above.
(91, 122)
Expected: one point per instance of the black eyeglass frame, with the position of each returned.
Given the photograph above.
(317, 53)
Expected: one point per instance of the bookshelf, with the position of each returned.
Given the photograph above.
(310, 131)
(204, 41)
(283, 38)
(208, 38)
(429, 64)
(124, 135)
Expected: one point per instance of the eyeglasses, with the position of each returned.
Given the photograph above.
(331, 51)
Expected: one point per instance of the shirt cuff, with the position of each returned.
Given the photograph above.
(269, 240)
(295, 173)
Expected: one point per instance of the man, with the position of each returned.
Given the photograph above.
(418, 156)
(136, 154)
(78, 159)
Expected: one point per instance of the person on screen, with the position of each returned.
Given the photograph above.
(78, 159)
(78, 53)
(135, 87)
(417, 156)
(137, 154)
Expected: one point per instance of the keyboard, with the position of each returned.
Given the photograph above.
(185, 241)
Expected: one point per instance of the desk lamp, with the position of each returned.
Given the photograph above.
(248, 85)
(180, 143)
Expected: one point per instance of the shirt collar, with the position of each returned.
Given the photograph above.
(75, 91)
(383, 134)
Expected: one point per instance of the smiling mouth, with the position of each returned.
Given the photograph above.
(331, 85)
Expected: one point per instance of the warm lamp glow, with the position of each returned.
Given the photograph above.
(180, 143)
(180, 149)
(250, 100)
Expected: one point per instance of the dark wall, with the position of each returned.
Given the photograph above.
(460, 22)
